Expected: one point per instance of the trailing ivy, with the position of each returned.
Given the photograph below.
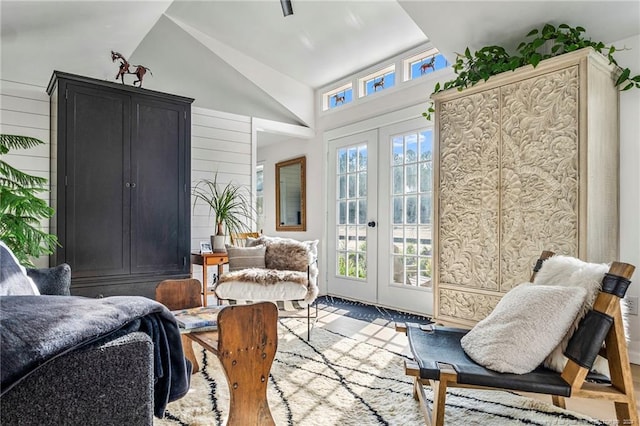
(542, 44)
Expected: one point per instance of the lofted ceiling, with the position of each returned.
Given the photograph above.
(245, 57)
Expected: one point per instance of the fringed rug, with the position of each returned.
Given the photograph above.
(338, 380)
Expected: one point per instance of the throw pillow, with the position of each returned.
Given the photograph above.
(13, 276)
(571, 272)
(54, 281)
(524, 327)
(289, 255)
(245, 257)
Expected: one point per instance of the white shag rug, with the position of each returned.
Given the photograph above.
(338, 380)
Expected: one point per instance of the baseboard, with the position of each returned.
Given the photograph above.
(634, 357)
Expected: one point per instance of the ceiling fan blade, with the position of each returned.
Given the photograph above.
(287, 9)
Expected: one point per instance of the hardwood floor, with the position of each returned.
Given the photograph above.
(380, 334)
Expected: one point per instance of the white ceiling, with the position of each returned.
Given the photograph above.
(244, 57)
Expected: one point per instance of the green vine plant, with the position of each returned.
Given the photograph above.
(21, 209)
(546, 43)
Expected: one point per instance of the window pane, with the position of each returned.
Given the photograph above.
(426, 145)
(342, 264)
(362, 211)
(351, 179)
(411, 148)
(398, 270)
(362, 158)
(398, 150)
(362, 184)
(424, 241)
(426, 177)
(362, 239)
(425, 208)
(352, 238)
(411, 184)
(341, 98)
(342, 212)
(362, 266)
(351, 204)
(398, 209)
(353, 159)
(342, 161)
(412, 210)
(351, 265)
(398, 180)
(342, 187)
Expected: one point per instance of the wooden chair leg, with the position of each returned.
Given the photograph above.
(187, 347)
(559, 401)
(439, 396)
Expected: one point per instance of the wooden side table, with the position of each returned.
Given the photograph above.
(208, 259)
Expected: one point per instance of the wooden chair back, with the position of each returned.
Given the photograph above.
(239, 239)
(247, 345)
(179, 294)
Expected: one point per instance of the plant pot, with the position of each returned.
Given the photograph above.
(217, 243)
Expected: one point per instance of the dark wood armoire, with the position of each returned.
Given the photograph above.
(120, 177)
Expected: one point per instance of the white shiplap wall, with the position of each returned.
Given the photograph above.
(24, 110)
(220, 142)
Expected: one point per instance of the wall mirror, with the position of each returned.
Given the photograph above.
(291, 214)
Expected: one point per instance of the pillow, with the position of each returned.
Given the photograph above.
(289, 254)
(245, 257)
(524, 327)
(571, 272)
(54, 281)
(13, 276)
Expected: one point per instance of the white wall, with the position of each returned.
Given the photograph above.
(24, 110)
(630, 180)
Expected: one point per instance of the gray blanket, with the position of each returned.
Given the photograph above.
(36, 329)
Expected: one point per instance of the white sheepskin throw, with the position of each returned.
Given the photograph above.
(571, 272)
(265, 276)
(524, 327)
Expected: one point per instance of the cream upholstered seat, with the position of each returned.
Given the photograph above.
(279, 270)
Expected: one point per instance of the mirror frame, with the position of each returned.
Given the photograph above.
(303, 194)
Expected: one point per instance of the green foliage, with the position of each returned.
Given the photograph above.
(21, 209)
(491, 60)
(230, 204)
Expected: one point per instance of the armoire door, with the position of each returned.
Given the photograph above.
(96, 238)
(159, 220)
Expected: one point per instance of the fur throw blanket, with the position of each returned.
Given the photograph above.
(266, 276)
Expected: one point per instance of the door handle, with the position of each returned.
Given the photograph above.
(371, 224)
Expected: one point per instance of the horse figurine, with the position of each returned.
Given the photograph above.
(338, 98)
(124, 65)
(140, 71)
(430, 64)
(379, 84)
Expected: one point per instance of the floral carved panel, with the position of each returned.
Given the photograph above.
(469, 177)
(539, 166)
(465, 305)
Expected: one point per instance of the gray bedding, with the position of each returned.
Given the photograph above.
(36, 329)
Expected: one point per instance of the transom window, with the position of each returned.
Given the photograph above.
(423, 64)
(337, 97)
(378, 81)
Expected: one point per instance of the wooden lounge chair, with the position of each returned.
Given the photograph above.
(440, 361)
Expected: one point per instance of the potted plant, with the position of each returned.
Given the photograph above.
(231, 207)
(21, 209)
(548, 42)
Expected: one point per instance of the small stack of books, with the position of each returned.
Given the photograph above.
(200, 317)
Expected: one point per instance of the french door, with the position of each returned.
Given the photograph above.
(380, 234)
(405, 201)
(352, 236)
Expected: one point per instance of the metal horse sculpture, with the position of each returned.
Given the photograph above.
(124, 68)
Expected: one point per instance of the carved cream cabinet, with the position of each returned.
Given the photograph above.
(527, 161)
